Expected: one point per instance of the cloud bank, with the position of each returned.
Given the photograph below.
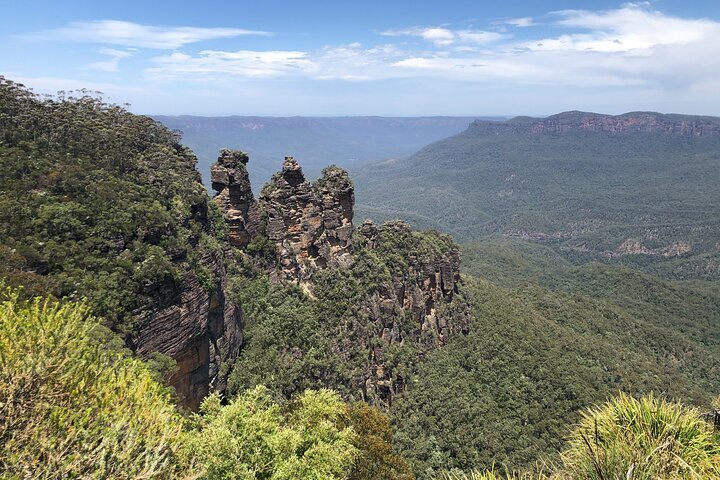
(629, 46)
(129, 34)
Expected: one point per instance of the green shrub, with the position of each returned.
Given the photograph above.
(256, 438)
(72, 406)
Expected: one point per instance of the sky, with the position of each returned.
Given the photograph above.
(390, 58)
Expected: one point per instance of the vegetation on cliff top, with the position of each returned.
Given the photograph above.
(95, 202)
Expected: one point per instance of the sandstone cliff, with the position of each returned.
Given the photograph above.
(310, 223)
(632, 122)
(191, 320)
(420, 305)
(234, 196)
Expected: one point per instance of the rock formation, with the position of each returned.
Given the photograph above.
(310, 226)
(422, 295)
(310, 223)
(234, 196)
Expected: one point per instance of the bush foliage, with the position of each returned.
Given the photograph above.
(256, 438)
(74, 407)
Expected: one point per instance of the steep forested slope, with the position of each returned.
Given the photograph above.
(547, 339)
(639, 188)
(101, 204)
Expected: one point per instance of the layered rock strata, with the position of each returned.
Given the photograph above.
(310, 226)
(310, 223)
(425, 296)
(627, 123)
(234, 196)
(192, 322)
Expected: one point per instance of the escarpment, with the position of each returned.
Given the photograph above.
(412, 296)
(196, 325)
(627, 123)
(107, 207)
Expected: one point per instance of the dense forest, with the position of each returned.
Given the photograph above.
(147, 331)
(637, 189)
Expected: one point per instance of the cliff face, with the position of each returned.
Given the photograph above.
(421, 305)
(416, 303)
(633, 122)
(198, 328)
(192, 322)
(310, 223)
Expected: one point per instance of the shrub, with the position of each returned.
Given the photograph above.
(71, 406)
(256, 438)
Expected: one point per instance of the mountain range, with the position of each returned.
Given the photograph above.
(315, 141)
(638, 188)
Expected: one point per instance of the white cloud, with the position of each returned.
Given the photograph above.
(629, 47)
(443, 36)
(243, 63)
(625, 29)
(129, 34)
(111, 64)
(520, 22)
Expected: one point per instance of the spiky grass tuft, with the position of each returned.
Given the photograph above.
(646, 438)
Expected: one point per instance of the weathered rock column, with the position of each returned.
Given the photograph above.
(234, 196)
(310, 224)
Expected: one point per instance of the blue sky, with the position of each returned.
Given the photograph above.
(369, 57)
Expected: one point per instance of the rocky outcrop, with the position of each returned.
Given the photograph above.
(310, 223)
(633, 246)
(633, 122)
(234, 196)
(420, 305)
(414, 302)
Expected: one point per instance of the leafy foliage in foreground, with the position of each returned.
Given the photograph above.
(642, 438)
(255, 438)
(72, 406)
(629, 438)
(377, 458)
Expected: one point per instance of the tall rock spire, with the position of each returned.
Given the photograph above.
(234, 196)
(310, 223)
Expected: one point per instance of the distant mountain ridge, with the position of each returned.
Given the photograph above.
(315, 141)
(638, 188)
(631, 122)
